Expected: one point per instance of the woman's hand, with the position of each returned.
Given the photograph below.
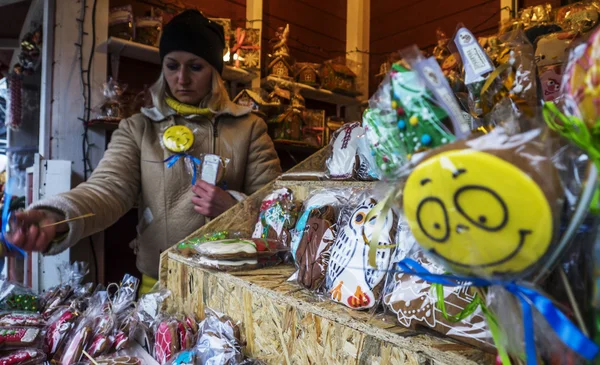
(28, 233)
(211, 200)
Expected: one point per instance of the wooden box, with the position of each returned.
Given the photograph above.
(285, 324)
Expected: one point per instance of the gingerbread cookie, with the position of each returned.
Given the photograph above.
(312, 255)
(120, 340)
(100, 345)
(23, 357)
(22, 319)
(350, 279)
(487, 206)
(119, 360)
(276, 217)
(228, 249)
(166, 342)
(343, 160)
(19, 337)
(73, 349)
(59, 328)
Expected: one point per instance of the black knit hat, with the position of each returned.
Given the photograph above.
(192, 32)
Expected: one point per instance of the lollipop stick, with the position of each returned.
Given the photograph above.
(571, 296)
(89, 357)
(68, 220)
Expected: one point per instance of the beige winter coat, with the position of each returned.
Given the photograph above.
(133, 170)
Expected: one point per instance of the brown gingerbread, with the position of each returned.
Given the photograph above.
(312, 255)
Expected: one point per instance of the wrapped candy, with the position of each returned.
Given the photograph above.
(113, 107)
(148, 30)
(31, 356)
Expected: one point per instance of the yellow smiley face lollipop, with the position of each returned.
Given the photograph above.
(482, 215)
(178, 138)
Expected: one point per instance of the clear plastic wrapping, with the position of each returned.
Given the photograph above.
(416, 302)
(113, 106)
(148, 30)
(350, 278)
(314, 235)
(488, 206)
(277, 215)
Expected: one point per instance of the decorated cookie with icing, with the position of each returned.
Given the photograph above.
(414, 301)
(227, 249)
(166, 342)
(119, 360)
(100, 345)
(487, 206)
(178, 138)
(23, 357)
(72, 352)
(58, 330)
(342, 162)
(22, 319)
(14, 337)
(312, 256)
(276, 217)
(350, 279)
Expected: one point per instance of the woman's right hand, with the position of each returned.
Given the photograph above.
(28, 233)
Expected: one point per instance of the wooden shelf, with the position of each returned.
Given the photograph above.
(310, 92)
(106, 124)
(141, 52)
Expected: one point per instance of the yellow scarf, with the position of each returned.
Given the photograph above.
(186, 109)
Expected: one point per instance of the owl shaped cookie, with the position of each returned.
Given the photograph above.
(350, 279)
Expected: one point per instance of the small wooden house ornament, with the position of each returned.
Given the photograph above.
(281, 68)
(254, 101)
(338, 78)
(307, 73)
(280, 96)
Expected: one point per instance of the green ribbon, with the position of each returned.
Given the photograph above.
(575, 130)
(490, 318)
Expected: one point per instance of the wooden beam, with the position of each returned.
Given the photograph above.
(46, 94)
(254, 11)
(358, 27)
(10, 44)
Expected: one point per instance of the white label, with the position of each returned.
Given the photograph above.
(477, 58)
(210, 168)
(473, 56)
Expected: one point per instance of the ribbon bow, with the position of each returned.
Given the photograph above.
(569, 334)
(11, 250)
(240, 37)
(196, 162)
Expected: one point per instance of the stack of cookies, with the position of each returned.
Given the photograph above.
(236, 254)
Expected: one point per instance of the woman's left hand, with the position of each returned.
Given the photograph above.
(211, 200)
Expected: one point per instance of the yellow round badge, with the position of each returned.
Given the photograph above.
(178, 138)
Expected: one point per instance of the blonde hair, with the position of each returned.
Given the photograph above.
(215, 100)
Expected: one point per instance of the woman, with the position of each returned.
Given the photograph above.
(191, 93)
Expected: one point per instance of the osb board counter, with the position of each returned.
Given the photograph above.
(284, 324)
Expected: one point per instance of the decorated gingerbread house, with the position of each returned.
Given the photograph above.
(338, 77)
(281, 68)
(280, 96)
(307, 73)
(253, 100)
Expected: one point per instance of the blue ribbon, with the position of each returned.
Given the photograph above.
(566, 331)
(10, 248)
(196, 162)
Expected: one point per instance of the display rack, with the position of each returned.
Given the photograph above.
(309, 92)
(118, 48)
(285, 324)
